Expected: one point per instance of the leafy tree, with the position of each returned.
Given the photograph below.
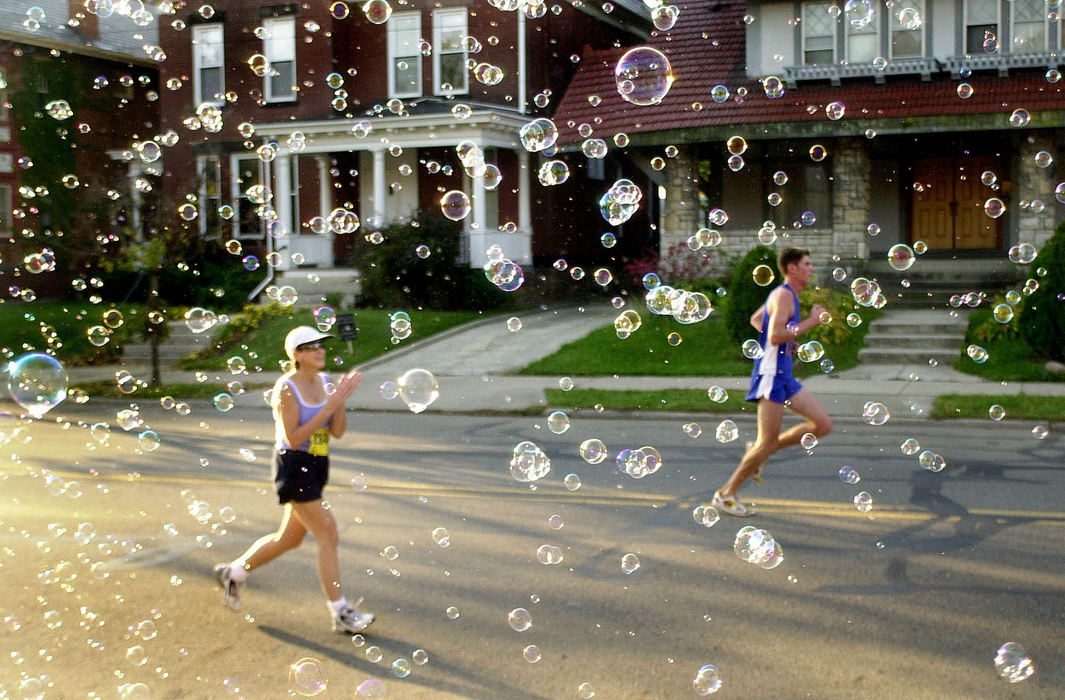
(745, 296)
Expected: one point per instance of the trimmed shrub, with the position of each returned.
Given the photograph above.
(744, 296)
(1042, 321)
(393, 275)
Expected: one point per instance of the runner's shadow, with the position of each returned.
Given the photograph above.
(470, 689)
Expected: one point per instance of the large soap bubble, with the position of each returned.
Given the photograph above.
(758, 547)
(37, 382)
(538, 135)
(643, 76)
(529, 463)
(418, 388)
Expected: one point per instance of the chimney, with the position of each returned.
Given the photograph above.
(81, 20)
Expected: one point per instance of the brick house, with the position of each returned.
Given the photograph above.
(363, 114)
(906, 119)
(64, 180)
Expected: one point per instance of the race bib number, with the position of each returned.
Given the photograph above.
(320, 442)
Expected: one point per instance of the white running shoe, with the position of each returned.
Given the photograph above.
(230, 588)
(350, 620)
(731, 505)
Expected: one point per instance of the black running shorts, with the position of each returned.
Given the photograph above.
(299, 476)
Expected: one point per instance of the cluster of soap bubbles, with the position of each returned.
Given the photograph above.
(503, 272)
(757, 546)
(875, 413)
(1012, 663)
(400, 326)
(198, 319)
(686, 307)
(639, 462)
(620, 202)
(867, 292)
(528, 462)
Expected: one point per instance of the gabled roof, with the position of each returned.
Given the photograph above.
(707, 48)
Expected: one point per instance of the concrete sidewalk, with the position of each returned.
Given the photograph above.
(472, 362)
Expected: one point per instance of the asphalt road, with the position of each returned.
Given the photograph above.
(910, 600)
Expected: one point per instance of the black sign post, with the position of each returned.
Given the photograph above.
(346, 329)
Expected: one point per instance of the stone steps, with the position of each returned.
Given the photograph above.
(180, 343)
(913, 336)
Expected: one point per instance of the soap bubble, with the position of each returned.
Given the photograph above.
(726, 431)
(1023, 253)
(519, 619)
(931, 461)
(593, 451)
(455, 205)
(528, 462)
(863, 502)
(371, 688)
(994, 207)
(901, 257)
(418, 388)
(37, 382)
(643, 76)
(1020, 117)
(307, 677)
(763, 275)
(848, 475)
(859, 13)
(1012, 663)
(707, 680)
(572, 482)
(558, 422)
(909, 446)
(977, 354)
(996, 412)
(629, 563)
(377, 11)
(531, 653)
(199, 320)
(1003, 313)
(751, 349)
(707, 516)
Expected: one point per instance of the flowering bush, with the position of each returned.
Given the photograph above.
(679, 266)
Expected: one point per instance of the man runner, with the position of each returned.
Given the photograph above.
(772, 384)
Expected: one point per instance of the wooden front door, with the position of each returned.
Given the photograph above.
(948, 204)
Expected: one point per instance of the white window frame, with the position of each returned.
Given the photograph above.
(279, 45)
(209, 203)
(818, 7)
(398, 51)
(6, 207)
(237, 196)
(440, 22)
(966, 24)
(200, 60)
(1013, 30)
(894, 26)
(849, 31)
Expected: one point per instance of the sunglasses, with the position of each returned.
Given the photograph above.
(311, 346)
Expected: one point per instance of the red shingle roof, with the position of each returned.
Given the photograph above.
(707, 48)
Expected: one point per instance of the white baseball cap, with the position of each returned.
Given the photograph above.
(301, 335)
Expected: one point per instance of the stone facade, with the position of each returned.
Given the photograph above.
(1033, 199)
(681, 216)
(851, 172)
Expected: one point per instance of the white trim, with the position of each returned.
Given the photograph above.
(440, 17)
(198, 64)
(279, 44)
(395, 51)
(802, 33)
(523, 70)
(201, 170)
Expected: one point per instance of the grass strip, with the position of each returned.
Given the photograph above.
(678, 400)
(704, 349)
(264, 347)
(180, 391)
(1017, 406)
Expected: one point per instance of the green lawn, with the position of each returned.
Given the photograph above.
(1018, 407)
(180, 392)
(264, 347)
(26, 326)
(705, 350)
(680, 400)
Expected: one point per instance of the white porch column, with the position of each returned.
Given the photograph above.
(283, 206)
(325, 197)
(475, 228)
(522, 242)
(379, 186)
